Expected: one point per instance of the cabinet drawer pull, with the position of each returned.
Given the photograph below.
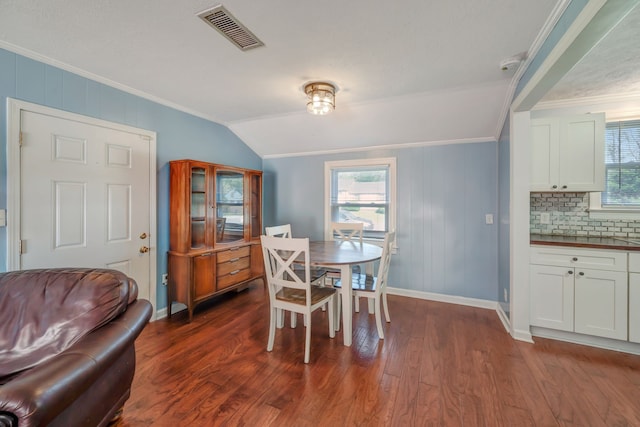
(234, 272)
(574, 258)
(570, 271)
(581, 273)
(554, 186)
(234, 259)
(564, 186)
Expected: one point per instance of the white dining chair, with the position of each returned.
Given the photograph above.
(317, 274)
(375, 287)
(346, 232)
(291, 289)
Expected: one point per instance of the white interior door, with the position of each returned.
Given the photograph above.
(85, 197)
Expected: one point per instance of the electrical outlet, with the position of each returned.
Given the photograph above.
(506, 295)
(545, 218)
(488, 218)
(165, 279)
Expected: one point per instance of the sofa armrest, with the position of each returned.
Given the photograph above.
(37, 395)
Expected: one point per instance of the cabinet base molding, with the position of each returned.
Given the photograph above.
(589, 340)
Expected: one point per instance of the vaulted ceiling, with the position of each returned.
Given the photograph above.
(408, 72)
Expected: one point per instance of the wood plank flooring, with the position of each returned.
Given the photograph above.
(439, 365)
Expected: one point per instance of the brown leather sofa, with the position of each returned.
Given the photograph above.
(67, 354)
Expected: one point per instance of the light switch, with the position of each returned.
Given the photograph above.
(488, 218)
(3, 217)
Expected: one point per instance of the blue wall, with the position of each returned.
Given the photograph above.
(444, 192)
(179, 135)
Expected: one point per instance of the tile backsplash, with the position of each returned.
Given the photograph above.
(569, 216)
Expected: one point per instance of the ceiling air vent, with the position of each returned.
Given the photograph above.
(223, 21)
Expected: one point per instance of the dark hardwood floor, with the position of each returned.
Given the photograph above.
(440, 365)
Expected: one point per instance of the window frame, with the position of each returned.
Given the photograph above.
(596, 210)
(387, 162)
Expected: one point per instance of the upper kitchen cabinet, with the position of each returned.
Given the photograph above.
(567, 153)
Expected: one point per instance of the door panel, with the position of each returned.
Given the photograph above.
(85, 197)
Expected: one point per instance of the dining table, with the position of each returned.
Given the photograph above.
(343, 255)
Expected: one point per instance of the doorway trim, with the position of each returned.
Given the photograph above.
(14, 109)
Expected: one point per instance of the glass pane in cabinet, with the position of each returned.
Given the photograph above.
(197, 180)
(197, 234)
(256, 226)
(229, 206)
(198, 206)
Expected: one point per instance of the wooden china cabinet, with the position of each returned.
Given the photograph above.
(215, 227)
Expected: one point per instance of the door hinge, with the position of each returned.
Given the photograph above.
(20, 139)
(22, 246)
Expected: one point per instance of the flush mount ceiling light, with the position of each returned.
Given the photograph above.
(321, 97)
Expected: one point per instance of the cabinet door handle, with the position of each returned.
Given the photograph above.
(581, 273)
(570, 271)
(564, 186)
(554, 186)
(574, 258)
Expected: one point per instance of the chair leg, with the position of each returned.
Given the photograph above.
(294, 320)
(356, 303)
(386, 306)
(272, 327)
(307, 339)
(379, 318)
(371, 305)
(280, 318)
(337, 301)
(332, 329)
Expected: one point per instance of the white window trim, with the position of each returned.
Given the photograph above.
(596, 211)
(389, 162)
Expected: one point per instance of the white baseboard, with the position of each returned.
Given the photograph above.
(451, 299)
(506, 322)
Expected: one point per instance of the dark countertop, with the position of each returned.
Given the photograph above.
(616, 243)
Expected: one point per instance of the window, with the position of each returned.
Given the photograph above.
(622, 164)
(361, 191)
(622, 168)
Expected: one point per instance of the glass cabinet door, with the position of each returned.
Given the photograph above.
(255, 185)
(198, 208)
(229, 206)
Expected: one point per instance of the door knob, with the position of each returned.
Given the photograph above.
(143, 236)
(144, 250)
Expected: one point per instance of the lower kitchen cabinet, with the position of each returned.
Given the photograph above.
(579, 290)
(634, 297)
(600, 299)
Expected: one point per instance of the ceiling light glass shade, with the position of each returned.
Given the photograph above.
(321, 98)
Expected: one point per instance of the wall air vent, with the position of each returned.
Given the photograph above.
(223, 21)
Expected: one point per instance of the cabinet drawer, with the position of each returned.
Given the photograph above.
(225, 268)
(579, 258)
(634, 262)
(239, 252)
(233, 277)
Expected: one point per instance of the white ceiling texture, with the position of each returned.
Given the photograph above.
(408, 72)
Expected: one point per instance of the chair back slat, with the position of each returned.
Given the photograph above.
(347, 231)
(279, 255)
(279, 231)
(385, 260)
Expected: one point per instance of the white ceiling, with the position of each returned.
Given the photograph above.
(408, 72)
(612, 67)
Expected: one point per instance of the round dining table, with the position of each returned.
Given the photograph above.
(343, 255)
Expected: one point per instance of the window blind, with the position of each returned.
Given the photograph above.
(622, 164)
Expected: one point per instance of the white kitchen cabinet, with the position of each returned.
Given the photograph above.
(552, 297)
(567, 153)
(634, 297)
(579, 290)
(600, 299)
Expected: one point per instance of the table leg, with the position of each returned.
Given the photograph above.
(347, 315)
